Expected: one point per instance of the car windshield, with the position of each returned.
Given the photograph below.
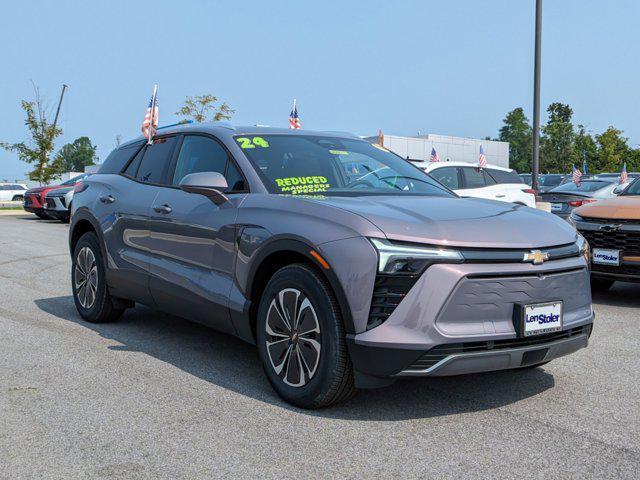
(633, 188)
(313, 165)
(582, 187)
(74, 180)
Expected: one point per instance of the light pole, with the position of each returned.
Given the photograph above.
(55, 120)
(535, 160)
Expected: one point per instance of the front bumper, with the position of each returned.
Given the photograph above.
(56, 206)
(473, 304)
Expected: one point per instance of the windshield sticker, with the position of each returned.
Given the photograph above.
(304, 185)
(339, 152)
(252, 142)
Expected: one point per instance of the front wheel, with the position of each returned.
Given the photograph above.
(301, 339)
(88, 282)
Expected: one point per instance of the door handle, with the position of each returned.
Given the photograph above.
(162, 209)
(500, 196)
(107, 199)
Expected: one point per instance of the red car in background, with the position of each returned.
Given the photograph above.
(34, 197)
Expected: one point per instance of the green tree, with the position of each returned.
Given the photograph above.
(558, 150)
(584, 142)
(73, 157)
(613, 150)
(205, 108)
(37, 151)
(517, 131)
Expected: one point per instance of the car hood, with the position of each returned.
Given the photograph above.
(465, 222)
(41, 189)
(623, 207)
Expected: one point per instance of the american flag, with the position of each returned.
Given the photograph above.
(294, 120)
(482, 159)
(577, 174)
(150, 122)
(434, 155)
(623, 174)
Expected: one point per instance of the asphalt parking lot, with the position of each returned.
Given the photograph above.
(154, 396)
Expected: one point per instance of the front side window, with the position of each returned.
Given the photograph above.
(155, 162)
(203, 154)
(199, 154)
(312, 165)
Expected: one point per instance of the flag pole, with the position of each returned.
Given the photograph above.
(153, 113)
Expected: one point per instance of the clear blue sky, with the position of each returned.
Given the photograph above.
(448, 67)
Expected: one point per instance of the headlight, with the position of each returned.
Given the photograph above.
(409, 259)
(574, 218)
(583, 247)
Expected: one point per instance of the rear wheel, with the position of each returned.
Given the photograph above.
(301, 339)
(17, 198)
(601, 284)
(88, 281)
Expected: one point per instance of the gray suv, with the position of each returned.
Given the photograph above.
(347, 266)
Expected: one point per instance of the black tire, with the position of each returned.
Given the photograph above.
(601, 284)
(331, 379)
(17, 198)
(95, 305)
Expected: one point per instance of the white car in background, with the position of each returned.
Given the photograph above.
(492, 182)
(12, 192)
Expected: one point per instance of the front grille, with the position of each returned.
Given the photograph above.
(388, 292)
(616, 270)
(436, 354)
(609, 221)
(627, 242)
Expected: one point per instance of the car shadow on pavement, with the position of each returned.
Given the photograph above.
(233, 364)
(622, 294)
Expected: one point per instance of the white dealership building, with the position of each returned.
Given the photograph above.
(455, 149)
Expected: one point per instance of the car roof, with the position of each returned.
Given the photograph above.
(459, 164)
(225, 129)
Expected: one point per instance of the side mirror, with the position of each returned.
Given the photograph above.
(209, 184)
(619, 189)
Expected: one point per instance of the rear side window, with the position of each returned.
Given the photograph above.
(448, 176)
(505, 177)
(473, 178)
(155, 161)
(118, 158)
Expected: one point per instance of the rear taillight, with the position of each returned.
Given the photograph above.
(530, 190)
(579, 203)
(80, 187)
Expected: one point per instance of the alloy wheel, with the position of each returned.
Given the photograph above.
(293, 337)
(86, 277)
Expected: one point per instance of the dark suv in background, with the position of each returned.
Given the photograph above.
(345, 264)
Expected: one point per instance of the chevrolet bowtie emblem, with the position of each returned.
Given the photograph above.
(536, 257)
